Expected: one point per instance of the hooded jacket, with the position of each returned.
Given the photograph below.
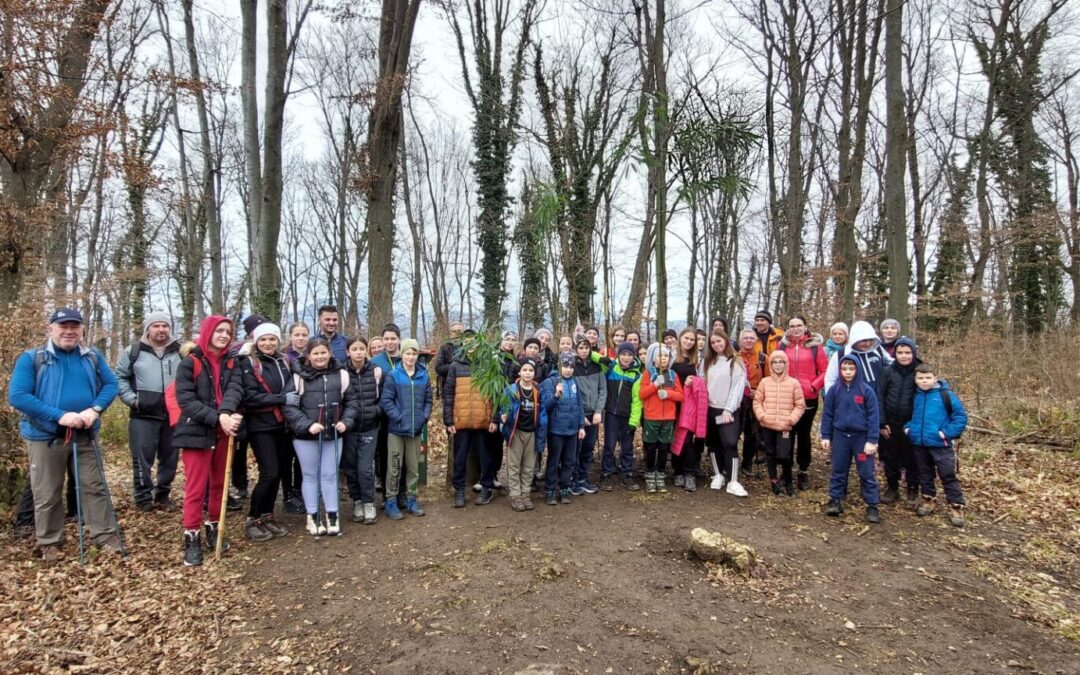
(779, 401)
(767, 344)
(322, 400)
(464, 407)
(406, 400)
(693, 413)
(896, 389)
(851, 408)
(870, 362)
(930, 419)
(366, 382)
(623, 386)
(807, 362)
(591, 384)
(263, 400)
(566, 413)
(143, 381)
(218, 389)
(654, 408)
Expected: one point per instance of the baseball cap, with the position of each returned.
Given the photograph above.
(66, 314)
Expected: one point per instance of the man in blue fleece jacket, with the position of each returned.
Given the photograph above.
(61, 389)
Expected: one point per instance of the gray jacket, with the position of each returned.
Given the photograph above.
(592, 385)
(143, 383)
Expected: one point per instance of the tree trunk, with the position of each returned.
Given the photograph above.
(252, 156)
(895, 153)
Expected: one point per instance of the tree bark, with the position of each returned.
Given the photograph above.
(895, 154)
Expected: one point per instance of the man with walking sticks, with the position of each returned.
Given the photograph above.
(61, 389)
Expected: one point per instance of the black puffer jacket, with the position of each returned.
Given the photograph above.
(896, 390)
(368, 412)
(321, 400)
(198, 425)
(263, 404)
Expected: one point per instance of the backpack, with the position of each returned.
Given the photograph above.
(171, 405)
(42, 359)
(298, 384)
(946, 400)
(256, 369)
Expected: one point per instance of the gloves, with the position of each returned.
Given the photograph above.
(659, 379)
(662, 394)
(292, 398)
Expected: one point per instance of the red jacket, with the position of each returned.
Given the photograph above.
(694, 413)
(656, 409)
(808, 363)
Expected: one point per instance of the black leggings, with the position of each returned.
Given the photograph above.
(723, 440)
(656, 455)
(801, 434)
(272, 450)
(770, 439)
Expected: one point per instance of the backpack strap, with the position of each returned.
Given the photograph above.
(343, 375)
(946, 400)
(298, 384)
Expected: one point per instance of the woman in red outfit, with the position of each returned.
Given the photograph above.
(807, 363)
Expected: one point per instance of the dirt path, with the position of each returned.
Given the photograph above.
(605, 585)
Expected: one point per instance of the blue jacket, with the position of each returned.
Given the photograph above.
(45, 395)
(930, 417)
(338, 346)
(383, 360)
(851, 408)
(566, 414)
(512, 408)
(406, 401)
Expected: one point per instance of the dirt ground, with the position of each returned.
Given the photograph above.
(606, 585)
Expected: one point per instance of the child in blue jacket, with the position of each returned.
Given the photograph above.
(566, 425)
(937, 420)
(406, 400)
(849, 427)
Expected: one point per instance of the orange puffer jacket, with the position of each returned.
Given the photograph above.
(778, 401)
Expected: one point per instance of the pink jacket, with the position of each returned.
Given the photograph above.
(693, 414)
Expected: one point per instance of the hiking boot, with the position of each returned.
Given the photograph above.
(485, 496)
(872, 515)
(630, 484)
(313, 524)
(926, 507)
(690, 483)
(564, 496)
(111, 544)
(333, 526)
(357, 512)
(165, 504)
(294, 503)
(956, 515)
(526, 503)
(459, 499)
(661, 482)
(789, 488)
(650, 482)
(254, 529)
(774, 485)
(392, 510)
(413, 506)
(802, 482)
(193, 553)
(835, 508)
(680, 480)
(912, 495)
(550, 498)
(271, 526)
(369, 513)
(607, 483)
(890, 495)
(211, 530)
(145, 507)
(51, 554)
(517, 504)
(233, 504)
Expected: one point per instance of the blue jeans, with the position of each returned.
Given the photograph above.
(846, 447)
(561, 461)
(585, 449)
(464, 441)
(941, 460)
(617, 429)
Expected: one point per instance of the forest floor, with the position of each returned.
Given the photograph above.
(603, 585)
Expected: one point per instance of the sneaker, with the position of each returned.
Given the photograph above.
(789, 488)
(550, 498)
(413, 507)
(369, 513)
(650, 483)
(485, 497)
(912, 496)
(630, 484)
(717, 482)
(577, 490)
(313, 524)
(233, 504)
(477, 488)
(211, 530)
(803, 481)
(835, 508)
(357, 512)
(926, 507)
(774, 485)
(872, 515)
(661, 482)
(517, 504)
(956, 515)
(392, 510)
(146, 507)
(526, 503)
(459, 499)
(564, 496)
(294, 504)
(589, 489)
(165, 504)
(890, 495)
(193, 553)
(333, 527)
(734, 487)
(254, 530)
(690, 483)
(607, 483)
(271, 526)
(680, 480)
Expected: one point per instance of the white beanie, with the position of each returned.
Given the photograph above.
(841, 325)
(266, 329)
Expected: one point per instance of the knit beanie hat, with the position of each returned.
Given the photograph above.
(842, 326)
(626, 347)
(763, 314)
(889, 322)
(566, 359)
(527, 362)
(266, 329)
(542, 331)
(156, 317)
(252, 322)
(532, 341)
(408, 344)
(509, 334)
(579, 339)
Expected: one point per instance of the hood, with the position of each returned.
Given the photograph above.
(809, 340)
(904, 340)
(858, 370)
(653, 354)
(207, 328)
(780, 354)
(862, 330)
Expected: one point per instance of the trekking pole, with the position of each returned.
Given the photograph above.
(320, 508)
(218, 546)
(108, 500)
(337, 452)
(69, 437)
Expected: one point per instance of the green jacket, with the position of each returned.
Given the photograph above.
(622, 388)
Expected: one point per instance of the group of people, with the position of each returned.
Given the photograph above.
(313, 406)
